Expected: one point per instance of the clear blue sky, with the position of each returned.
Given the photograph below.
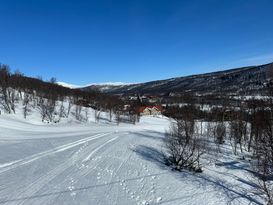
(133, 40)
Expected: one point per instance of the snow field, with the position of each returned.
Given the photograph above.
(99, 163)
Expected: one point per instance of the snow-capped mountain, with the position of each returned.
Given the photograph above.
(103, 85)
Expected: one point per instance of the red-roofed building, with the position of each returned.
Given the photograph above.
(150, 110)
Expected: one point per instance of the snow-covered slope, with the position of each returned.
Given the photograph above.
(72, 86)
(90, 163)
(247, 80)
(68, 85)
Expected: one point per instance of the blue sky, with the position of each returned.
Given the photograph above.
(83, 42)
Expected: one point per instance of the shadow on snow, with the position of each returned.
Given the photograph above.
(231, 191)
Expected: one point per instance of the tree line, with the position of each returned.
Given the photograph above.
(48, 96)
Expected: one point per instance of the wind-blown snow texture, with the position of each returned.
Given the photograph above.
(72, 163)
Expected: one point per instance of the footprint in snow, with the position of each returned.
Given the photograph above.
(159, 199)
(73, 194)
(71, 188)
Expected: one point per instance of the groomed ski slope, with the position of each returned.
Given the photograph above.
(104, 164)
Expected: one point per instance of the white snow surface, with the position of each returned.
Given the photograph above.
(101, 164)
(72, 86)
(69, 85)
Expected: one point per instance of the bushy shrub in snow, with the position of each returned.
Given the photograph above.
(183, 148)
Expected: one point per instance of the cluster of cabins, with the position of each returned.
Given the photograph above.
(152, 109)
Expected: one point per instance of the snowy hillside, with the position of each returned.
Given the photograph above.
(91, 163)
(68, 85)
(247, 80)
(102, 85)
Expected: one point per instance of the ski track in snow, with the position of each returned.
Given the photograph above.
(11, 165)
(117, 165)
(36, 186)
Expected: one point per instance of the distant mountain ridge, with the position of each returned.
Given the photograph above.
(245, 80)
(72, 86)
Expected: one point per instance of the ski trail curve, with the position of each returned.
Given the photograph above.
(14, 164)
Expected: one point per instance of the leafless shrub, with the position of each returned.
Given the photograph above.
(26, 108)
(263, 154)
(183, 149)
(220, 133)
